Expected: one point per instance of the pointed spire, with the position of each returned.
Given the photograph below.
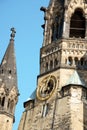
(8, 64)
(8, 81)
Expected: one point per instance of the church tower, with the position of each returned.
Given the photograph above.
(60, 99)
(8, 87)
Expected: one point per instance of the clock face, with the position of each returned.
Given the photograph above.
(46, 87)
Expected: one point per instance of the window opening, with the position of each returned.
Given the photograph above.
(44, 110)
(70, 61)
(9, 71)
(77, 24)
(3, 101)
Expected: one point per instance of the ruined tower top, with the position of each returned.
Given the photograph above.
(61, 18)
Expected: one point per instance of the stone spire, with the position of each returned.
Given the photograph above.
(8, 64)
(8, 86)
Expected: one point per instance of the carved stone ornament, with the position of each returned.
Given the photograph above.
(46, 87)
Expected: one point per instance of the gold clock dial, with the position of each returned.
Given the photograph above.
(46, 87)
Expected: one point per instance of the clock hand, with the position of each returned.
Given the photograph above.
(48, 80)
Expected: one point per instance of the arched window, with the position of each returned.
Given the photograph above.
(77, 24)
(70, 61)
(3, 101)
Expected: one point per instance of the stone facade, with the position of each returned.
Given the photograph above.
(60, 99)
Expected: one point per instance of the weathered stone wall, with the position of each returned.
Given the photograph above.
(58, 113)
(85, 115)
(62, 114)
(6, 122)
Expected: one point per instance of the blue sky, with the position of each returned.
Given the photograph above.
(26, 17)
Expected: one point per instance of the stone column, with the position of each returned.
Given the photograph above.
(6, 103)
(65, 25)
(73, 61)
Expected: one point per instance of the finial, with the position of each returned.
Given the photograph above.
(13, 33)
